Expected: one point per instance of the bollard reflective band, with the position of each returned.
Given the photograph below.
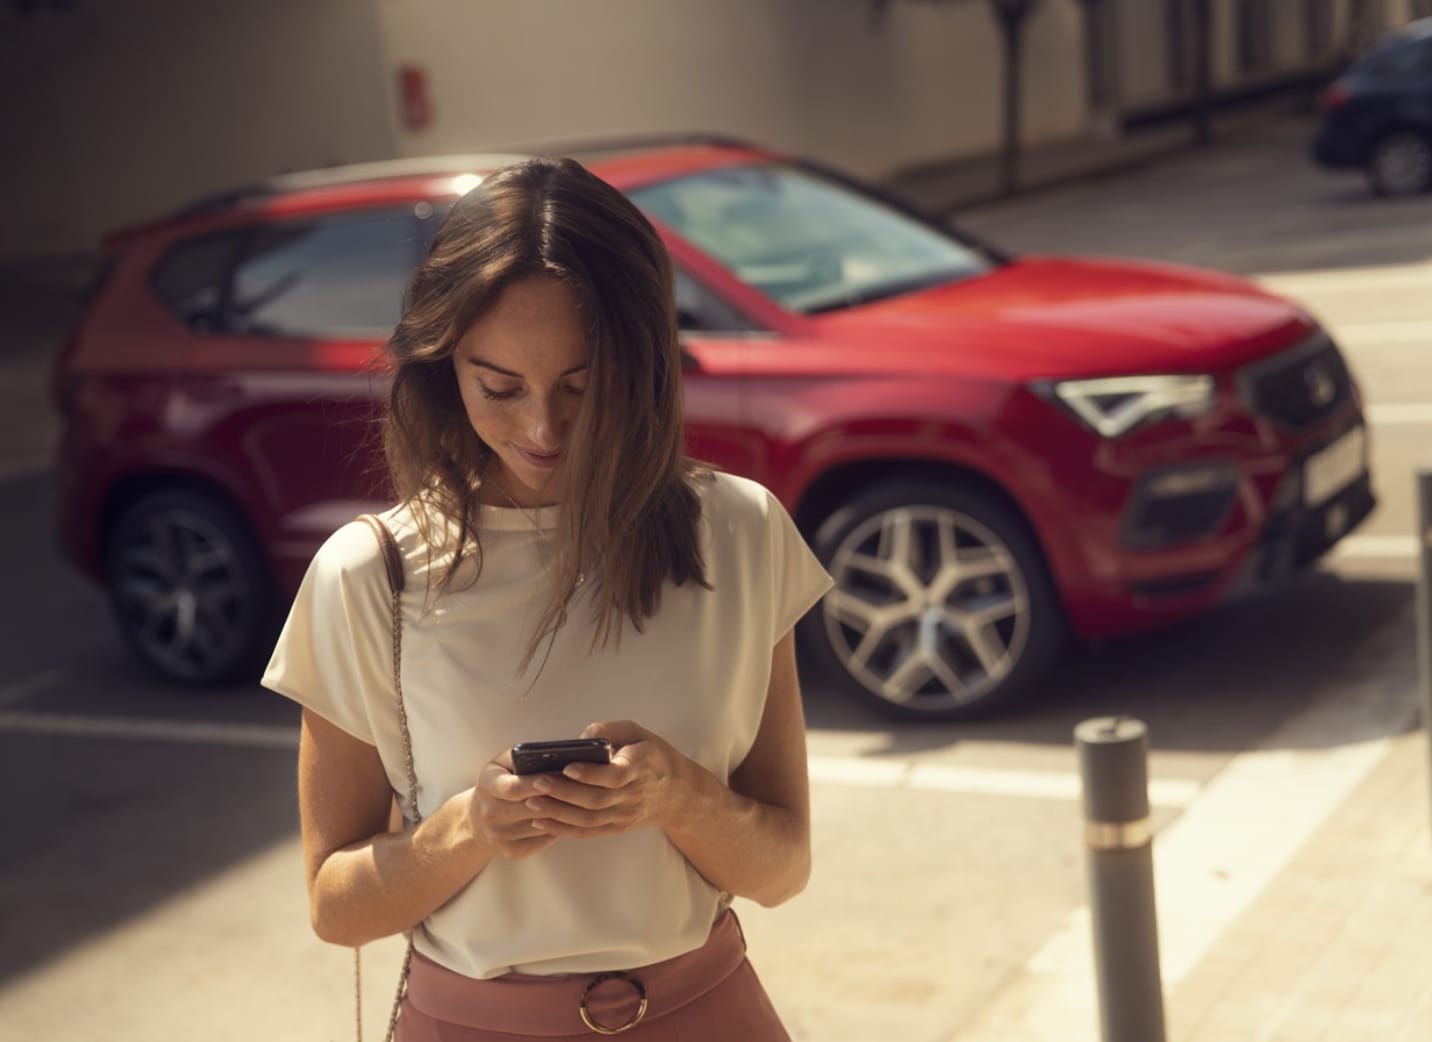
(1117, 835)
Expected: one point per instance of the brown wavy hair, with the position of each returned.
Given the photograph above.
(629, 509)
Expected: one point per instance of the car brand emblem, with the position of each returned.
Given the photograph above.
(1322, 388)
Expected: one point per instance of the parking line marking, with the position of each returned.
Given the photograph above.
(977, 781)
(1418, 331)
(826, 770)
(1395, 547)
(132, 729)
(19, 690)
(1349, 280)
(1399, 412)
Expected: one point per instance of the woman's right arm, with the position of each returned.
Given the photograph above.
(365, 882)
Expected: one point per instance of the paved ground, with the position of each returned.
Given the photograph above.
(150, 880)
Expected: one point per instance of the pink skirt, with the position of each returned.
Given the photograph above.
(708, 995)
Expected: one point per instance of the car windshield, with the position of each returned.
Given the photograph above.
(810, 242)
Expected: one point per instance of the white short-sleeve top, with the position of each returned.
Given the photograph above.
(696, 675)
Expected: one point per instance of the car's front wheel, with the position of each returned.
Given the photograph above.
(1401, 164)
(942, 607)
(189, 588)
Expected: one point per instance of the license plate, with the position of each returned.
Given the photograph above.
(1332, 469)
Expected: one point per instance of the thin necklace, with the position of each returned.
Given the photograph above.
(541, 533)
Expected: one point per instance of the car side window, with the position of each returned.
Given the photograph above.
(698, 310)
(339, 276)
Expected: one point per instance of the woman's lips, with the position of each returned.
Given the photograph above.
(537, 459)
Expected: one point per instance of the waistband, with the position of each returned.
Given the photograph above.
(525, 1004)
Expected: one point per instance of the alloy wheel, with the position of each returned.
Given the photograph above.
(1401, 165)
(930, 608)
(181, 593)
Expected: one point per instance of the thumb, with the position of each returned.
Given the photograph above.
(618, 732)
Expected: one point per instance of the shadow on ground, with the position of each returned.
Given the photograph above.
(1221, 682)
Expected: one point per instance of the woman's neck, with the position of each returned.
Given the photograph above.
(491, 492)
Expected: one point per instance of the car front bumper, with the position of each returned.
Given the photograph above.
(1164, 524)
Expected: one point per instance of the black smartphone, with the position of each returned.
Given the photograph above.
(536, 757)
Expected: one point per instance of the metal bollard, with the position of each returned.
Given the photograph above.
(1113, 763)
(1424, 599)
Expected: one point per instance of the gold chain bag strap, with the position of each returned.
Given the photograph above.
(393, 560)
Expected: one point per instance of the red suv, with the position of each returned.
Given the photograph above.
(988, 452)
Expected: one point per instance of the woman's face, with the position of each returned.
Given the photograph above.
(522, 370)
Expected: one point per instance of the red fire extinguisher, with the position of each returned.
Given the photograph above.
(413, 90)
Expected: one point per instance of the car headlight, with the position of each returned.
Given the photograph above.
(1113, 406)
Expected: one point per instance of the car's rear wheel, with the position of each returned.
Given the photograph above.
(190, 588)
(942, 607)
(1401, 164)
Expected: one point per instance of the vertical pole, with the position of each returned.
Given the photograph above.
(1118, 838)
(1424, 600)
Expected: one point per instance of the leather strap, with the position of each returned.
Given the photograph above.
(392, 556)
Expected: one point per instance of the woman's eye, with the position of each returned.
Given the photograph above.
(575, 391)
(495, 396)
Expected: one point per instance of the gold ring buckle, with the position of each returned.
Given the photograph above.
(636, 1017)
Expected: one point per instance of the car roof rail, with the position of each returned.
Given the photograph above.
(637, 142)
(353, 173)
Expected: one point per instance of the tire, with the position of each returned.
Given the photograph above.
(927, 658)
(1400, 164)
(190, 589)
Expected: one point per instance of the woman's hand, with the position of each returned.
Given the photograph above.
(499, 813)
(645, 784)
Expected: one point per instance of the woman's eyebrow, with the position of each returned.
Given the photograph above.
(480, 363)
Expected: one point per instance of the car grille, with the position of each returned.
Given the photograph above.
(1299, 387)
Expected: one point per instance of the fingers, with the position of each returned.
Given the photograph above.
(497, 779)
(500, 815)
(568, 785)
(520, 815)
(606, 800)
(563, 819)
(576, 794)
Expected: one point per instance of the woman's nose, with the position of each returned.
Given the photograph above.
(547, 424)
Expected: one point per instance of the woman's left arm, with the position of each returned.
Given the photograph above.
(751, 838)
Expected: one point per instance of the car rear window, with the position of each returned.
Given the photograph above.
(340, 276)
(192, 279)
(336, 276)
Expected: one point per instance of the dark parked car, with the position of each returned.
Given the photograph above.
(988, 452)
(1378, 115)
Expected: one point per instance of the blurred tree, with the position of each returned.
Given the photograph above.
(1011, 16)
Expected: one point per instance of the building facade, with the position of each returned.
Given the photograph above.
(118, 112)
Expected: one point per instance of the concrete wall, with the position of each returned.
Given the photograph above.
(1145, 60)
(812, 75)
(117, 111)
(1143, 57)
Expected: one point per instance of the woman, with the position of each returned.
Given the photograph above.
(568, 571)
